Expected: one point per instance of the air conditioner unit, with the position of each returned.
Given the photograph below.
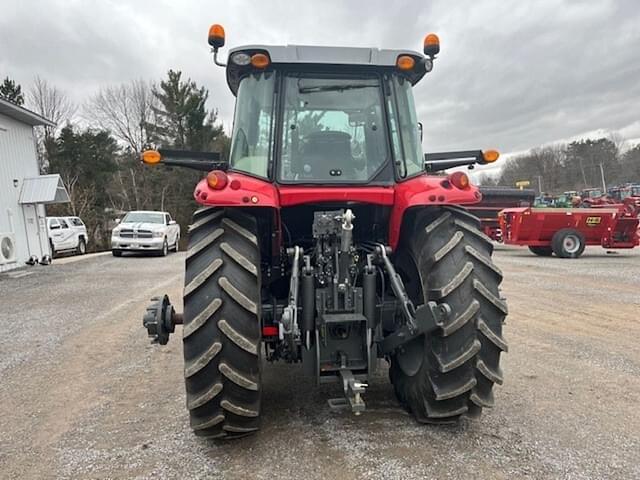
(7, 248)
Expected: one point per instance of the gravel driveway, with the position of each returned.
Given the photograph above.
(84, 395)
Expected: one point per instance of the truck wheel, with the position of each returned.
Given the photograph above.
(541, 251)
(221, 332)
(165, 248)
(451, 372)
(82, 247)
(568, 243)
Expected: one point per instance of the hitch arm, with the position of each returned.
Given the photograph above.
(429, 317)
(423, 320)
(408, 309)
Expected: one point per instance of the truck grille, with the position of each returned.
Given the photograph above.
(129, 233)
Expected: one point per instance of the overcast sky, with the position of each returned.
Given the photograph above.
(510, 75)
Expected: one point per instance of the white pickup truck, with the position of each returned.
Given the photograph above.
(145, 231)
(67, 234)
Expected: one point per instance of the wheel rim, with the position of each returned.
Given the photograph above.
(165, 248)
(571, 244)
(82, 247)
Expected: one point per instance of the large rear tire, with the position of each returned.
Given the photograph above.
(451, 372)
(221, 332)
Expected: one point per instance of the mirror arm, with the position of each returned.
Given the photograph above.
(435, 162)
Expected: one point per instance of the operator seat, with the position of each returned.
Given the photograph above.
(327, 154)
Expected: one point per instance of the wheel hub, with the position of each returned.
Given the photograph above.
(571, 244)
(411, 355)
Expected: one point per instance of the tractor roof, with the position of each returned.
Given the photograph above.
(293, 55)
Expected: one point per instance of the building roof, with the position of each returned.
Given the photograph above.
(23, 115)
(43, 189)
(329, 56)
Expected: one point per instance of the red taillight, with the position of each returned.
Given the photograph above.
(269, 331)
(459, 180)
(217, 179)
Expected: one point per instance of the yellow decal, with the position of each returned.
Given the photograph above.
(593, 221)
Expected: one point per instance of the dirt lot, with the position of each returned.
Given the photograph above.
(84, 395)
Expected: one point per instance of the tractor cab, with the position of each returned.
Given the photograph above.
(325, 115)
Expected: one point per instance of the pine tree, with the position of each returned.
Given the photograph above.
(182, 118)
(10, 90)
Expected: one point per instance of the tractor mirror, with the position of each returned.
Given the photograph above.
(421, 130)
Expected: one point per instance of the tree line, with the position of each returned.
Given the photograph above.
(572, 166)
(96, 146)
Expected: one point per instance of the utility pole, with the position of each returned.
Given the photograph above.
(604, 184)
(540, 184)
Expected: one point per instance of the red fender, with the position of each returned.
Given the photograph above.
(423, 191)
(240, 191)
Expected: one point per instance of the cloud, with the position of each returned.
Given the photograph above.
(510, 75)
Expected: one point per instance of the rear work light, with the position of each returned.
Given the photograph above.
(217, 179)
(459, 180)
(241, 58)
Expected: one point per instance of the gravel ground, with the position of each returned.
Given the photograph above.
(84, 395)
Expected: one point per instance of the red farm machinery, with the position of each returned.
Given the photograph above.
(567, 231)
(496, 199)
(325, 239)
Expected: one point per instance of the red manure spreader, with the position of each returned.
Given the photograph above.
(496, 199)
(567, 231)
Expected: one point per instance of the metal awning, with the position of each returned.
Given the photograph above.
(43, 189)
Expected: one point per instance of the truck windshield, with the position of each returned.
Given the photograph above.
(333, 130)
(143, 217)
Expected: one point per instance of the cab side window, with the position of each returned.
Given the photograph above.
(63, 223)
(53, 224)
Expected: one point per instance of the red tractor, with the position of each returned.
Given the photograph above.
(326, 239)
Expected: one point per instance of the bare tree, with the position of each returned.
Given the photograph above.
(127, 111)
(53, 104)
(50, 102)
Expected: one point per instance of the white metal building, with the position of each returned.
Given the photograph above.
(23, 191)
